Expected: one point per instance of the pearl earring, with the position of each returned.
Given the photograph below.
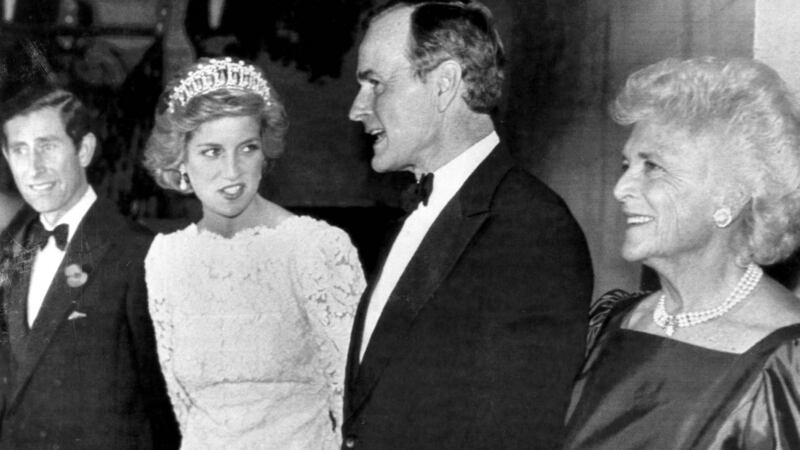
(722, 217)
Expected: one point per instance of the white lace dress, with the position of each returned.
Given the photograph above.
(253, 332)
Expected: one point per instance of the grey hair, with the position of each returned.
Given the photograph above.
(747, 106)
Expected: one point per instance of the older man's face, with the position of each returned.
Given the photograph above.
(47, 168)
(395, 107)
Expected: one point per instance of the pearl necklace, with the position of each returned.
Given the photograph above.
(669, 322)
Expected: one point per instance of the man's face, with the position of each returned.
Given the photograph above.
(47, 168)
(395, 107)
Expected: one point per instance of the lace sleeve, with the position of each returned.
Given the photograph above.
(331, 282)
(158, 284)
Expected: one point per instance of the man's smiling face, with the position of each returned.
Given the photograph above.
(47, 167)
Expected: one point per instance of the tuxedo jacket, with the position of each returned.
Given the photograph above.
(86, 374)
(480, 339)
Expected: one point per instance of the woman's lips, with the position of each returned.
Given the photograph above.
(233, 191)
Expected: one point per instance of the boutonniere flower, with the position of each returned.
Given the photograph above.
(76, 277)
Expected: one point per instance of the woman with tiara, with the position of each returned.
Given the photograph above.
(252, 305)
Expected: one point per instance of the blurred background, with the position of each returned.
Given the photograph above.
(567, 58)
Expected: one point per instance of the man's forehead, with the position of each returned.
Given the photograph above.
(45, 118)
(396, 20)
(386, 39)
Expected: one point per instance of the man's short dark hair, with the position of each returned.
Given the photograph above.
(462, 31)
(76, 118)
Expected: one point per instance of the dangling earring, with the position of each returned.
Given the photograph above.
(722, 217)
(184, 183)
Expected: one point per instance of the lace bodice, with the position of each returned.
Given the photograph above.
(253, 330)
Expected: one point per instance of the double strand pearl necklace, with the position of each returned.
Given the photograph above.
(669, 322)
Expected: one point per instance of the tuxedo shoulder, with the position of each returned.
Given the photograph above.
(122, 229)
(520, 190)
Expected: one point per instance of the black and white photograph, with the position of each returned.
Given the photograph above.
(400, 224)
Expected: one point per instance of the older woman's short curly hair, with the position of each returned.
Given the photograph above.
(745, 105)
(166, 148)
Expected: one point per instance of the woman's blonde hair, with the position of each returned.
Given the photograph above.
(174, 124)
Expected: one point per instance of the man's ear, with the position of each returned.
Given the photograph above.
(86, 149)
(447, 79)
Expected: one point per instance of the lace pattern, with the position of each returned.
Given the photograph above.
(327, 278)
(252, 331)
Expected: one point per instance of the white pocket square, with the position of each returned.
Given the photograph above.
(76, 315)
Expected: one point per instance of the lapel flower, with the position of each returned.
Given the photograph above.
(76, 277)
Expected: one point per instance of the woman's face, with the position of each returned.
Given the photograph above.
(224, 162)
(667, 194)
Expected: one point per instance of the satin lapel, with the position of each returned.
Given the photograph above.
(86, 248)
(437, 254)
(434, 259)
(354, 352)
(15, 295)
(15, 308)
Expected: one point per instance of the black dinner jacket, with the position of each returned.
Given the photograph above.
(480, 339)
(86, 374)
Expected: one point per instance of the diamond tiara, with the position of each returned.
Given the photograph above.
(219, 74)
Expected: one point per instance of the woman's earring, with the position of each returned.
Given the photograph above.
(722, 217)
(184, 183)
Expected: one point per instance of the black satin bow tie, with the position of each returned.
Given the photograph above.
(418, 192)
(40, 236)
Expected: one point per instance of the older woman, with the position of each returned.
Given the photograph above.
(252, 305)
(710, 194)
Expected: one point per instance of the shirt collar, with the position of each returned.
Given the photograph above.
(74, 216)
(449, 178)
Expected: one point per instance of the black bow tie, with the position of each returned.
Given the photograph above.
(40, 236)
(417, 193)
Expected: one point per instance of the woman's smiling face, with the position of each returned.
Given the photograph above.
(667, 193)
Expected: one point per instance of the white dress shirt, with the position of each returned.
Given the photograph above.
(447, 180)
(49, 258)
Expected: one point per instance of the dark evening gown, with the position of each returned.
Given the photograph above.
(642, 391)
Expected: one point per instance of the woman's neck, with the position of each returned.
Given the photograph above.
(256, 214)
(698, 285)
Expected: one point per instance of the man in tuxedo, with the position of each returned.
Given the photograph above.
(81, 368)
(472, 331)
